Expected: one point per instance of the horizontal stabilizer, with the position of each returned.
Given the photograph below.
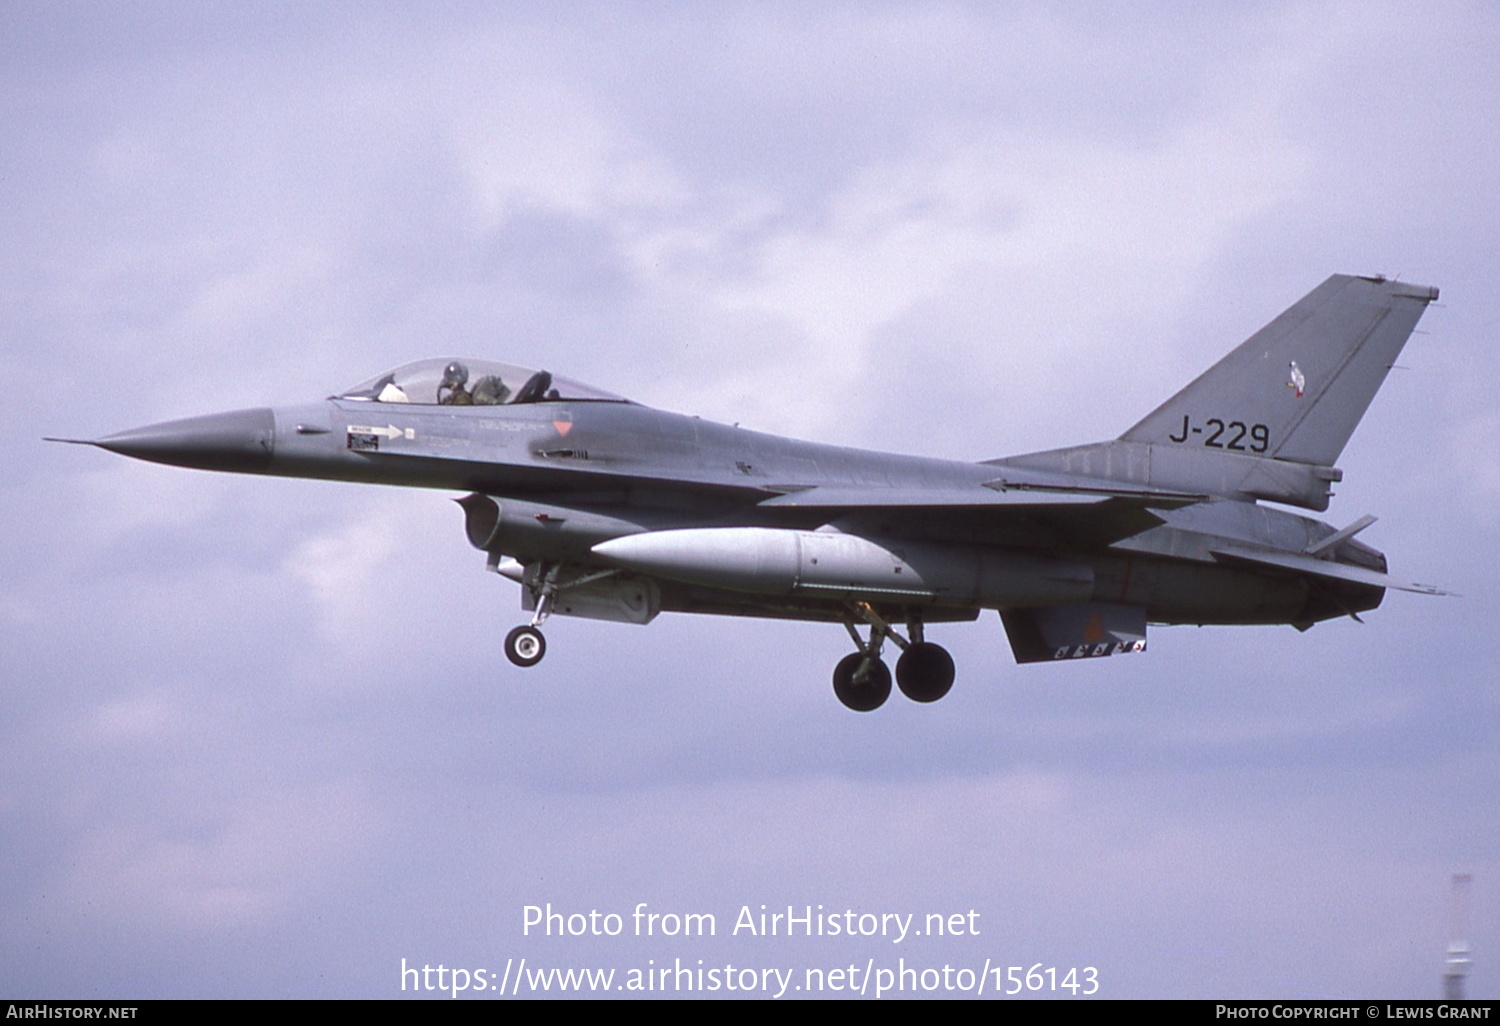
(1303, 564)
(1080, 630)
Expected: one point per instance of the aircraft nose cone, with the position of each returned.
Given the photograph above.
(243, 440)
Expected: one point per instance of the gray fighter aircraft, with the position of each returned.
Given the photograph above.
(600, 507)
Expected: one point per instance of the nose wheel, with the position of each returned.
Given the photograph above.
(525, 646)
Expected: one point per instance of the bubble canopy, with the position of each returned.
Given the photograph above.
(460, 381)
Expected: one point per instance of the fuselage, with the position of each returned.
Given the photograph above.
(565, 476)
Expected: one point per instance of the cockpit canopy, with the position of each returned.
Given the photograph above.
(458, 381)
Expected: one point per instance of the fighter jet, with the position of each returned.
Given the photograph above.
(600, 507)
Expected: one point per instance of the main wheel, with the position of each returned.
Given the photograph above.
(525, 646)
(925, 672)
(866, 695)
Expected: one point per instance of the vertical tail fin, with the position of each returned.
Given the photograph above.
(1297, 388)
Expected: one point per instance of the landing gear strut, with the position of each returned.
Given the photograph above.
(525, 645)
(861, 680)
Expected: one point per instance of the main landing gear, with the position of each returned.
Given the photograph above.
(924, 672)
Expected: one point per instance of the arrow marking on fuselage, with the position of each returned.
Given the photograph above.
(391, 431)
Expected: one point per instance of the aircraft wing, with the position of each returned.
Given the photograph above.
(1027, 517)
(838, 497)
(1036, 490)
(1303, 564)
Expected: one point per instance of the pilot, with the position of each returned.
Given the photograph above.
(490, 391)
(455, 376)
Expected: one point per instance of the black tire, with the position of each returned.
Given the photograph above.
(863, 697)
(925, 672)
(525, 646)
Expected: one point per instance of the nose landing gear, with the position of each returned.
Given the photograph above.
(525, 645)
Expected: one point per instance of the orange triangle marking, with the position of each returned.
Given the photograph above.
(563, 427)
(1094, 632)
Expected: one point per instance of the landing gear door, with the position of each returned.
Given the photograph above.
(1080, 630)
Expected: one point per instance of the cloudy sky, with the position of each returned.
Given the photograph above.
(257, 736)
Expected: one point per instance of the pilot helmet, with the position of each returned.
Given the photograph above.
(455, 374)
